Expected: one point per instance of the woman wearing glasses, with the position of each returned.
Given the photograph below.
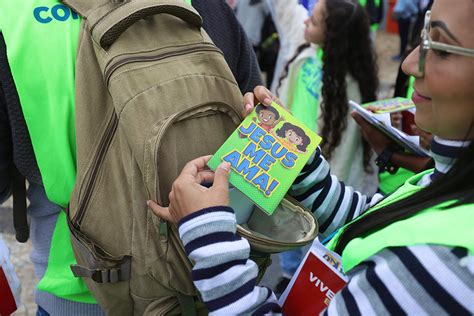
(413, 252)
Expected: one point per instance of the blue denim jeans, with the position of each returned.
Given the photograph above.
(290, 260)
(41, 312)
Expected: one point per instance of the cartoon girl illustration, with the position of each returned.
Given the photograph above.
(294, 136)
(268, 117)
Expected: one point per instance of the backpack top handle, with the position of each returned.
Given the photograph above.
(111, 25)
(85, 7)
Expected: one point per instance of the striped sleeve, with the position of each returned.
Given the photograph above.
(415, 280)
(223, 273)
(332, 202)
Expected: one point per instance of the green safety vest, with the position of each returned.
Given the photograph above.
(374, 27)
(411, 89)
(388, 182)
(41, 38)
(452, 228)
(364, 2)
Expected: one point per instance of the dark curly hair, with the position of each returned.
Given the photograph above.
(268, 108)
(348, 49)
(298, 130)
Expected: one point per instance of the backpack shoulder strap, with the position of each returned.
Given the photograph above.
(108, 21)
(20, 221)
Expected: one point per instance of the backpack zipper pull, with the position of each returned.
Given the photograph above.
(163, 230)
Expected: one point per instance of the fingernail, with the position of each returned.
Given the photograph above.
(225, 165)
(248, 107)
(148, 203)
(267, 101)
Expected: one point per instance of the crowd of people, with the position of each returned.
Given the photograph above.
(401, 223)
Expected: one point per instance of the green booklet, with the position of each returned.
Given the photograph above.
(389, 105)
(266, 153)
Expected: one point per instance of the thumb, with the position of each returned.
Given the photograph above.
(221, 177)
(359, 119)
(161, 212)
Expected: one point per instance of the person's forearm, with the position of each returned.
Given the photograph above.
(223, 273)
(332, 202)
(410, 162)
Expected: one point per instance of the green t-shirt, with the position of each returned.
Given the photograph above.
(305, 103)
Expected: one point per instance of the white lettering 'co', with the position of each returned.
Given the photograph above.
(320, 284)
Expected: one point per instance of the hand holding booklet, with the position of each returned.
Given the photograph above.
(266, 153)
(389, 105)
(399, 137)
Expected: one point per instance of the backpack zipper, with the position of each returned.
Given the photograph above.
(98, 159)
(163, 226)
(171, 119)
(168, 308)
(113, 122)
(201, 47)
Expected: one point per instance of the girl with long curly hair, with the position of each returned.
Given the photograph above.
(317, 88)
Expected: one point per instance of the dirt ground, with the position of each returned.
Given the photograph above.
(386, 45)
(20, 257)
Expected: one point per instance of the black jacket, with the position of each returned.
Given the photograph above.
(15, 144)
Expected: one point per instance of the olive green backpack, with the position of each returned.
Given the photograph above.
(152, 93)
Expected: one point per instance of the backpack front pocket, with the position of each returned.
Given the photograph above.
(164, 158)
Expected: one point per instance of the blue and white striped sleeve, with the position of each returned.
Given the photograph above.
(332, 202)
(415, 280)
(223, 273)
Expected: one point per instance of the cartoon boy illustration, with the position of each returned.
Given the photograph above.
(293, 136)
(268, 117)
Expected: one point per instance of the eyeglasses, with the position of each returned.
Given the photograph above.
(427, 43)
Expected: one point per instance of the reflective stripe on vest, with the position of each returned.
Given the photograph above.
(450, 227)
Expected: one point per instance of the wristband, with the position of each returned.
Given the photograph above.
(383, 161)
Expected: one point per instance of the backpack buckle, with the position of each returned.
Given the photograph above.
(112, 275)
(106, 276)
